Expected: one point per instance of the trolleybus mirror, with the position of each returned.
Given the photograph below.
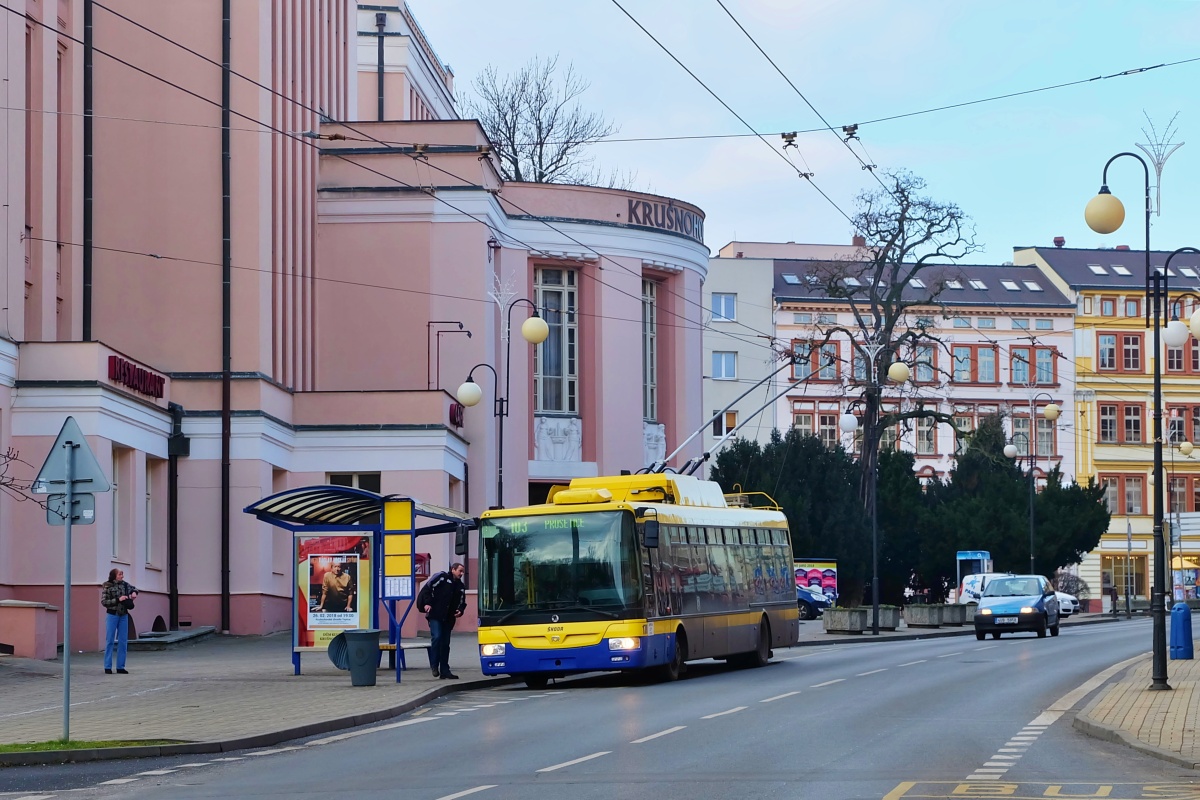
(460, 540)
(649, 527)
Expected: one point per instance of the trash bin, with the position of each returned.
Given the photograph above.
(1181, 631)
(358, 651)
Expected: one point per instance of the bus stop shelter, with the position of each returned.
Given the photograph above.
(367, 541)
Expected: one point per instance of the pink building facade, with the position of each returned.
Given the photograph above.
(305, 330)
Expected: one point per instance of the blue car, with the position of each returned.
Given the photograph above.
(1015, 603)
(811, 602)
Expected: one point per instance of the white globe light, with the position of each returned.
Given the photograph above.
(469, 393)
(1151, 478)
(1195, 323)
(899, 372)
(534, 330)
(1010, 450)
(1051, 411)
(1104, 213)
(1175, 334)
(848, 423)
(1185, 448)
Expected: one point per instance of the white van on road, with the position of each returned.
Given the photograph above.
(973, 585)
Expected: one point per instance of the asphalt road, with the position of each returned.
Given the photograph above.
(889, 720)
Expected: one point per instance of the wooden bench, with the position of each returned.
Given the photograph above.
(392, 649)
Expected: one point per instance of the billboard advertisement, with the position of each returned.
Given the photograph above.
(820, 575)
(334, 591)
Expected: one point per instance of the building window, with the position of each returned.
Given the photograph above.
(926, 436)
(724, 365)
(367, 481)
(556, 360)
(1178, 495)
(650, 350)
(827, 319)
(802, 420)
(1108, 307)
(1020, 324)
(1108, 424)
(1177, 425)
(802, 319)
(1133, 495)
(1175, 359)
(1045, 437)
(964, 424)
(723, 422)
(1087, 306)
(974, 363)
(724, 307)
(926, 362)
(1131, 352)
(1020, 365)
(1133, 307)
(860, 367)
(962, 322)
(1045, 366)
(1133, 424)
(1044, 324)
(985, 322)
(1106, 351)
(829, 358)
(827, 429)
(889, 437)
(1112, 488)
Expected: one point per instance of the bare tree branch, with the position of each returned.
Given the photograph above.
(540, 130)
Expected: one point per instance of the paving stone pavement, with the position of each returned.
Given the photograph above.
(230, 689)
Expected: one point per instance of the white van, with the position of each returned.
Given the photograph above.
(973, 585)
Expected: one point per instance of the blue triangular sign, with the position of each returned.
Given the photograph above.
(88, 477)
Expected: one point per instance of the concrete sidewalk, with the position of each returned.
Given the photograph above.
(224, 693)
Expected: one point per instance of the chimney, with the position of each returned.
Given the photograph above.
(859, 241)
(1121, 247)
(1059, 241)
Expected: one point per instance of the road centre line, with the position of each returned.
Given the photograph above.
(575, 761)
(910, 663)
(116, 781)
(947, 655)
(660, 733)
(157, 772)
(457, 795)
(826, 683)
(352, 734)
(723, 713)
(778, 697)
(989, 647)
(872, 672)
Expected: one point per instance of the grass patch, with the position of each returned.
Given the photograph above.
(80, 744)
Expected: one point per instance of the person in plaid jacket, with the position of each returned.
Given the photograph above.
(116, 633)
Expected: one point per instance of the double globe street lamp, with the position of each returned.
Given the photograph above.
(898, 372)
(1104, 214)
(533, 330)
(1050, 412)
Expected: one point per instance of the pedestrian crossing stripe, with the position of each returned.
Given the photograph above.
(1027, 790)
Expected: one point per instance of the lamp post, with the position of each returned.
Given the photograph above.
(533, 330)
(1104, 214)
(898, 372)
(1050, 412)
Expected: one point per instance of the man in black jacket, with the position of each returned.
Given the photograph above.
(443, 600)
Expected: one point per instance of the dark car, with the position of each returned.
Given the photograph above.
(1013, 603)
(811, 601)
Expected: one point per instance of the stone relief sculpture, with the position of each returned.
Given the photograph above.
(557, 439)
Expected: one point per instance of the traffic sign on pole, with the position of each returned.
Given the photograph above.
(70, 462)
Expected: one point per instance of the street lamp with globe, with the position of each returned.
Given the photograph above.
(533, 330)
(898, 372)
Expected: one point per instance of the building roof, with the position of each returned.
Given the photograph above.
(835, 252)
(1004, 286)
(1117, 269)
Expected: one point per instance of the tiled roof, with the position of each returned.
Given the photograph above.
(1118, 269)
(1004, 286)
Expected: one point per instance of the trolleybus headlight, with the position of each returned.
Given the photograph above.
(625, 643)
(491, 649)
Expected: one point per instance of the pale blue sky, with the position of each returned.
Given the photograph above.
(1023, 168)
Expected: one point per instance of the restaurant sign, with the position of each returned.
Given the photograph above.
(142, 381)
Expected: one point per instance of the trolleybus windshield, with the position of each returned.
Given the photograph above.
(585, 564)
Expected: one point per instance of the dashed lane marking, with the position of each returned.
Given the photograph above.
(778, 697)
(660, 733)
(466, 792)
(116, 781)
(947, 655)
(575, 761)
(723, 713)
(872, 672)
(158, 772)
(910, 663)
(826, 683)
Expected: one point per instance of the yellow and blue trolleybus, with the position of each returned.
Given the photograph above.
(634, 572)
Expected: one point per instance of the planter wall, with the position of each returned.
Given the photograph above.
(971, 607)
(889, 617)
(845, 620)
(923, 616)
(954, 614)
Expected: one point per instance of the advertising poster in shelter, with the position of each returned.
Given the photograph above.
(333, 588)
(821, 575)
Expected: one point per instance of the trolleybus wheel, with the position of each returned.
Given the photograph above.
(536, 681)
(762, 653)
(673, 669)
